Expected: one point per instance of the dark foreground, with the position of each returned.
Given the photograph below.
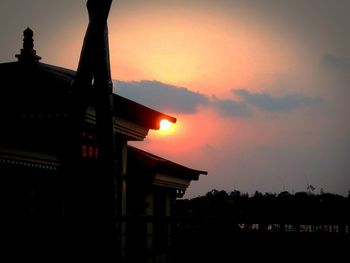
(282, 247)
(214, 245)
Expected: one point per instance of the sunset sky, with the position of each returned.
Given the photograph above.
(260, 88)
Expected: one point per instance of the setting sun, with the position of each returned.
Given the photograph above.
(164, 125)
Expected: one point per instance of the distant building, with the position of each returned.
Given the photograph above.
(52, 185)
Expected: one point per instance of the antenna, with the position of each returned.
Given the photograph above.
(282, 181)
(309, 186)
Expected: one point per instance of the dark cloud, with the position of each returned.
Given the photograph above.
(161, 96)
(267, 102)
(336, 62)
(169, 98)
(231, 108)
(165, 97)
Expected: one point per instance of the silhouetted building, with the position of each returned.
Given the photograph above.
(53, 189)
(153, 184)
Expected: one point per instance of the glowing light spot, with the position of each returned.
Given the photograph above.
(164, 125)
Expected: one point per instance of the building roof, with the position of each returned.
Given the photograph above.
(145, 169)
(155, 164)
(43, 89)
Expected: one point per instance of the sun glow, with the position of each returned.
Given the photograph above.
(164, 125)
(166, 128)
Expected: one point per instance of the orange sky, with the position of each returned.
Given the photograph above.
(206, 52)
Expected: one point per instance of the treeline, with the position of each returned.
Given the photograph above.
(262, 226)
(297, 208)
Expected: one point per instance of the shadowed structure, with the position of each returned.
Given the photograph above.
(92, 86)
(69, 180)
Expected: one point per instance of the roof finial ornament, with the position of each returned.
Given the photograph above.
(28, 53)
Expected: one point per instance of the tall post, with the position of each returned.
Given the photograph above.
(93, 85)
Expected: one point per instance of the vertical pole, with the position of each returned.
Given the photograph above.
(93, 85)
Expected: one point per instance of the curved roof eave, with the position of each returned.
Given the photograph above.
(159, 164)
(139, 113)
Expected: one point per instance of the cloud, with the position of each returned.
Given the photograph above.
(165, 97)
(161, 96)
(336, 62)
(169, 98)
(269, 103)
(231, 108)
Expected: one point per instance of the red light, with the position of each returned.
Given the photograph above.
(84, 151)
(91, 151)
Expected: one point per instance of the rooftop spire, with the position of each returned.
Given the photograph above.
(28, 53)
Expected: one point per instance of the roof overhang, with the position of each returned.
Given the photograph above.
(30, 160)
(51, 90)
(161, 172)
